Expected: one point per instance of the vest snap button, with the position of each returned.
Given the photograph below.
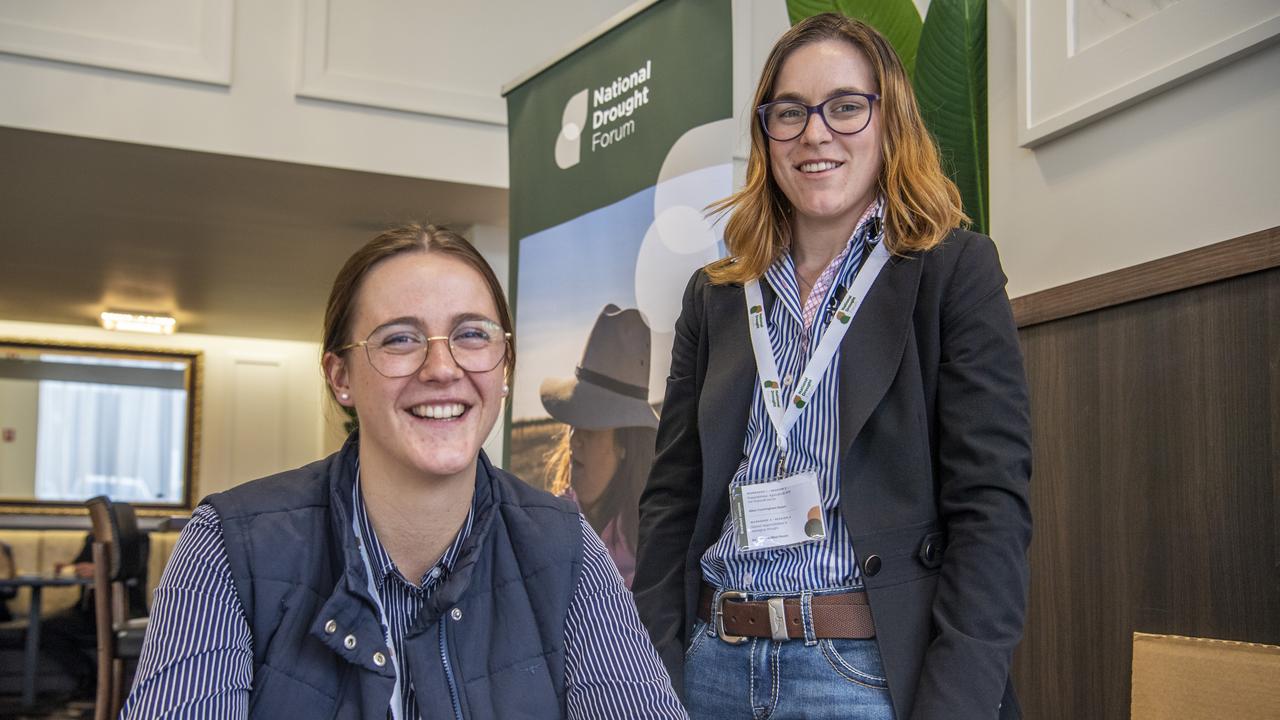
(456, 614)
(379, 659)
(330, 627)
(349, 642)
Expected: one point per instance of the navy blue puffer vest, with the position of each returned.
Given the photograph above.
(488, 644)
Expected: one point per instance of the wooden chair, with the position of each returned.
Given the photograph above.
(116, 560)
(7, 570)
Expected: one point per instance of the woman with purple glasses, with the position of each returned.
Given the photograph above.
(837, 519)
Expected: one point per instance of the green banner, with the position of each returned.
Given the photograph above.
(630, 94)
(615, 152)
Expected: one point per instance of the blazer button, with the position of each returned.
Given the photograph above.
(871, 565)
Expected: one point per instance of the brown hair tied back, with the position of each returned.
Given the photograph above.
(922, 204)
(412, 237)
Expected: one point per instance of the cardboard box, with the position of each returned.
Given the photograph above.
(1192, 678)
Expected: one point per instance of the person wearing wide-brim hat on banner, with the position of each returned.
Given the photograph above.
(837, 520)
(603, 457)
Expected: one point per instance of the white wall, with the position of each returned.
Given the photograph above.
(493, 242)
(261, 400)
(382, 86)
(756, 27)
(1195, 165)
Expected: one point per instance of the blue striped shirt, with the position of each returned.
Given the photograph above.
(197, 661)
(813, 444)
(401, 599)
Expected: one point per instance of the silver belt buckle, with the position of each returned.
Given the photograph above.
(778, 620)
(719, 610)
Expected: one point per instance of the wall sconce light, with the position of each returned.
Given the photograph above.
(132, 322)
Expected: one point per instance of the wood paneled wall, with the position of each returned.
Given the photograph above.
(1156, 485)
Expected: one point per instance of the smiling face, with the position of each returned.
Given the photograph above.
(433, 422)
(829, 178)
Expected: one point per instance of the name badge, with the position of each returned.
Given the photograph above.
(779, 513)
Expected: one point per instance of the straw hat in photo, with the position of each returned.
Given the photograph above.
(610, 387)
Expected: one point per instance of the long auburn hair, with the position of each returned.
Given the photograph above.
(922, 204)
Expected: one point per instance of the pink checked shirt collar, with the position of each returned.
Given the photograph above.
(813, 303)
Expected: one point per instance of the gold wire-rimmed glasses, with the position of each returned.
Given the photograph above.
(399, 349)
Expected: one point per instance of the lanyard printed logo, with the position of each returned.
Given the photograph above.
(808, 383)
(773, 394)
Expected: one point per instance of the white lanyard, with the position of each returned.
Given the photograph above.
(785, 410)
(397, 709)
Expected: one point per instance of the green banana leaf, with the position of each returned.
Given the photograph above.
(951, 86)
(898, 20)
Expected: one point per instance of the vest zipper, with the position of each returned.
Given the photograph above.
(448, 673)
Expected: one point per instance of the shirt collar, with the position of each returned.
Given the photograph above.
(383, 567)
(781, 275)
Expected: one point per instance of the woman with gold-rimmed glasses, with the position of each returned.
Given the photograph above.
(405, 575)
(399, 349)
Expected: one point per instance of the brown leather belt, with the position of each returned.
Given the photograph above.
(844, 616)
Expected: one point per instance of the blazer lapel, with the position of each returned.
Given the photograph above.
(872, 349)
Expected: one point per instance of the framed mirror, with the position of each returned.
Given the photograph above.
(83, 420)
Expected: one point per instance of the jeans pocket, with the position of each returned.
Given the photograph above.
(699, 635)
(857, 661)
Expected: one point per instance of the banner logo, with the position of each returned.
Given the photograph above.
(569, 142)
(612, 109)
(615, 103)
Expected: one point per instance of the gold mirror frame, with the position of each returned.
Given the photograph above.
(194, 380)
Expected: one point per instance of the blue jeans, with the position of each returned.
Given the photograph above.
(763, 678)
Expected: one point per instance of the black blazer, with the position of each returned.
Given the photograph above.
(935, 462)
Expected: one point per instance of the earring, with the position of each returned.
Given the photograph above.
(506, 389)
(345, 396)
